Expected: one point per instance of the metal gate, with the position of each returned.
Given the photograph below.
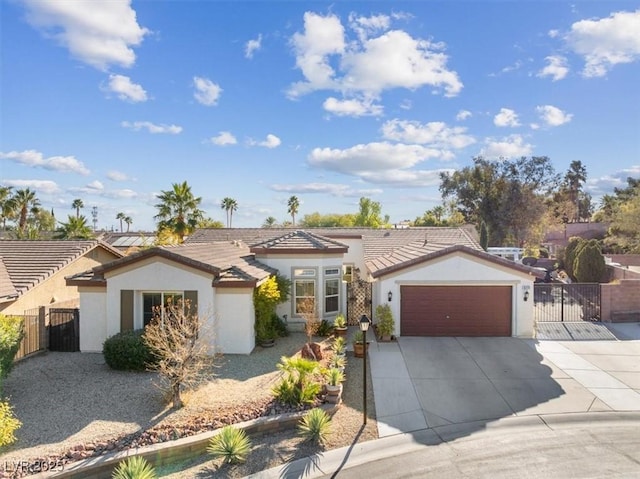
(358, 301)
(566, 302)
(64, 329)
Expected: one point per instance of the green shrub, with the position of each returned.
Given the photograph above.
(325, 328)
(230, 443)
(298, 386)
(127, 351)
(134, 467)
(9, 424)
(570, 254)
(589, 265)
(385, 323)
(11, 334)
(279, 326)
(315, 426)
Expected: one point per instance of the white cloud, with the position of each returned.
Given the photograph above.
(40, 186)
(352, 107)
(436, 134)
(207, 92)
(606, 42)
(553, 33)
(405, 178)
(506, 117)
(98, 32)
(556, 68)
(224, 138)
(370, 156)
(332, 189)
(406, 104)
(126, 89)
(367, 26)
(253, 46)
(512, 146)
(272, 141)
(606, 184)
(367, 66)
(553, 116)
(114, 175)
(152, 127)
(96, 185)
(35, 159)
(463, 115)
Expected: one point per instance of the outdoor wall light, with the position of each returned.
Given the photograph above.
(390, 296)
(526, 295)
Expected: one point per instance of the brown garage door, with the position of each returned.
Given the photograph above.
(455, 311)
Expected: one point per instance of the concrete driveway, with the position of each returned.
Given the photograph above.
(436, 383)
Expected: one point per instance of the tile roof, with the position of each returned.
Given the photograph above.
(129, 240)
(228, 262)
(301, 242)
(30, 262)
(409, 257)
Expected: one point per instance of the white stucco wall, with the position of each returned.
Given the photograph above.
(93, 319)
(285, 264)
(235, 317)
(461, 269)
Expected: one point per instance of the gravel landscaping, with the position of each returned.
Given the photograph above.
(73, 406)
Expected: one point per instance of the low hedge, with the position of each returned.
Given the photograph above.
(127, 351)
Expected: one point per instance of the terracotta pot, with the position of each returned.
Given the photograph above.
(358, 349)
(340, 332)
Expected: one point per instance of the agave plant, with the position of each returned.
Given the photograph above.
(230, 443)
(339, 345)
(315, 425)
(334, 377)
(134, 467)
(337, 362)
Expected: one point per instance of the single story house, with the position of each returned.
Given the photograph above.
(437, 281)
(32, 272)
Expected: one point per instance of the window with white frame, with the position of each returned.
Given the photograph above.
(153, 304)
(331, 295)
(304, 289)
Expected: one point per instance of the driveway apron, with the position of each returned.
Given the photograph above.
(427, 382)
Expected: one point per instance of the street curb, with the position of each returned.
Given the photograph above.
(324, 464)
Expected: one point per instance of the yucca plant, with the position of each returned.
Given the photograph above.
(334, 377)
(134, 467)
(230, 443)
(315, 425)
(337, 362)
(339, 345)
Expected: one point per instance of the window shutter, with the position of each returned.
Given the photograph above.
(126, 310)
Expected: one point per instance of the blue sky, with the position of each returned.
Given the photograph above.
(113, 101)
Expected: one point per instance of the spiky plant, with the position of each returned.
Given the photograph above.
(315, 426)
(230, 443)
(134, 467)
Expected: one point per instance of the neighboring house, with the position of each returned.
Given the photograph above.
(32, 272)
(438, 281)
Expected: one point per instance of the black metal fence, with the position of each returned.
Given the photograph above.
(566, 302)
(35, 333)
(64, 329)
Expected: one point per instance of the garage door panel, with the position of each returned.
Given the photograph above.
(455, 311)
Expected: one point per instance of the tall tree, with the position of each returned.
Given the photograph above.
(178, 210)
(25, 200)
(128, 220)
(76, 205)
(76, 227)
(7, 205)
(508, 195)
(624, 233)
(370, 214)
(121, 216)
(269, 222)
(293, 206)
(229, 205)
(574, 179)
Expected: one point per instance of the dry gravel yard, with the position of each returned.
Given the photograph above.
(66, 400)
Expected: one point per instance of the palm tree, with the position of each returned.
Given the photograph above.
(7, 205)
(229, 205)
(77, 204)
(178, 210)
(25, 200)
(120, 216)
(75, 228)
(438, 212)
(293, 204)
(128, 220)
(270, 222)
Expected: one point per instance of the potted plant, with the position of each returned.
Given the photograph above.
(338, 346)
(385, 323)
(359, 348)
(334, 378)
(340, 326)
(337, 362)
